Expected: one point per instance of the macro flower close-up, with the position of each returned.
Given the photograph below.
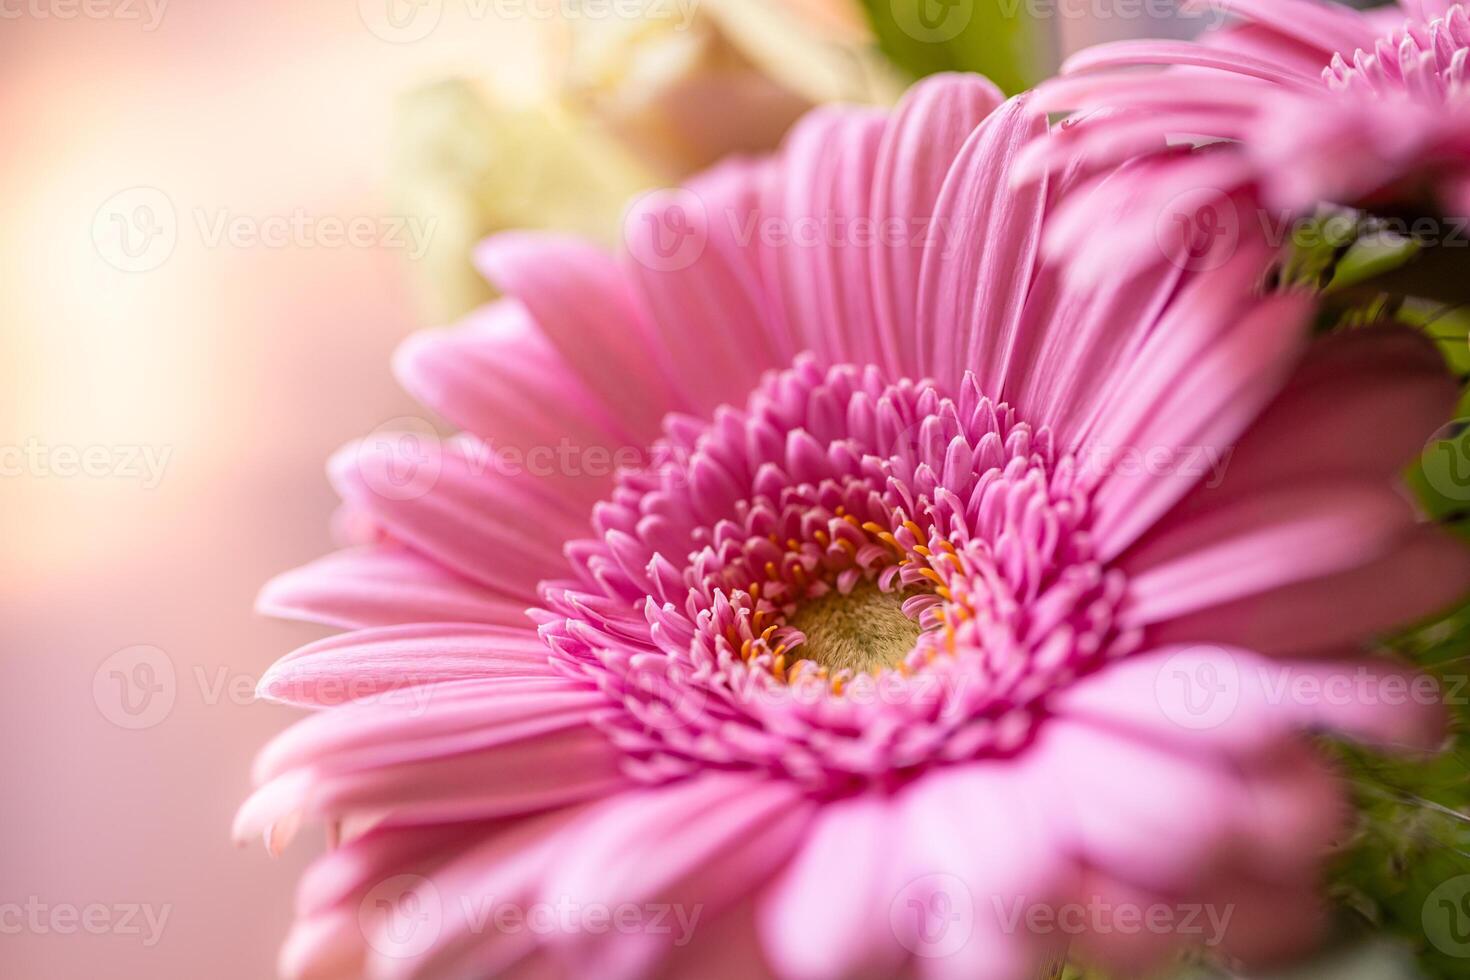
(823, 490)
(885, 604)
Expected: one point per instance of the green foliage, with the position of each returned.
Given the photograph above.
(993, 37)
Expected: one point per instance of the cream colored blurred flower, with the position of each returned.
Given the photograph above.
(630, 103)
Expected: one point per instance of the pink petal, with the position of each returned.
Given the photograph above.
(1326, 26)
(431, 723)
(1190, 389)
(976, 880)
(383, 585)
(1261, 542)
(1361, 403)
(977, 267)
(1156, 813)
(827, 914)
(925, 134)
(538, 773)
(491, 374)
(1225, 699)
(814, 273)
(1427, 572)
(706, 307)
(451, 502)
(697, 846)
(469, 890)
(371, 663)
(580, 299)
(1129, 54)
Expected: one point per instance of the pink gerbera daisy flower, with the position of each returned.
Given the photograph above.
(1305, 101)
(896, 634)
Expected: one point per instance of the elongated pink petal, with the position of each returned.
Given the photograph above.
(961, 897)
(1262, 542)
(714, 286)
(538, 772)
(579, 297)
(1225, 699)
(827, 914)
(696, 847)
(815, 271)
(1330, 27)
(925, 135)
(977, 271)
(1125, 54)
(383, 585)
(490, 374)
(1210, 404)
(451, 502)
(1430, 572)
(434, 722)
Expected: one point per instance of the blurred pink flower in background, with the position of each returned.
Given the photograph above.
(687, 718)
(1313, 102)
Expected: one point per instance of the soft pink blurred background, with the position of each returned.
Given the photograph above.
(243, 366)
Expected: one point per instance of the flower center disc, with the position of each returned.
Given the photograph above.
(865, 630)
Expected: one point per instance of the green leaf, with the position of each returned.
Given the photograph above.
(995, 38)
